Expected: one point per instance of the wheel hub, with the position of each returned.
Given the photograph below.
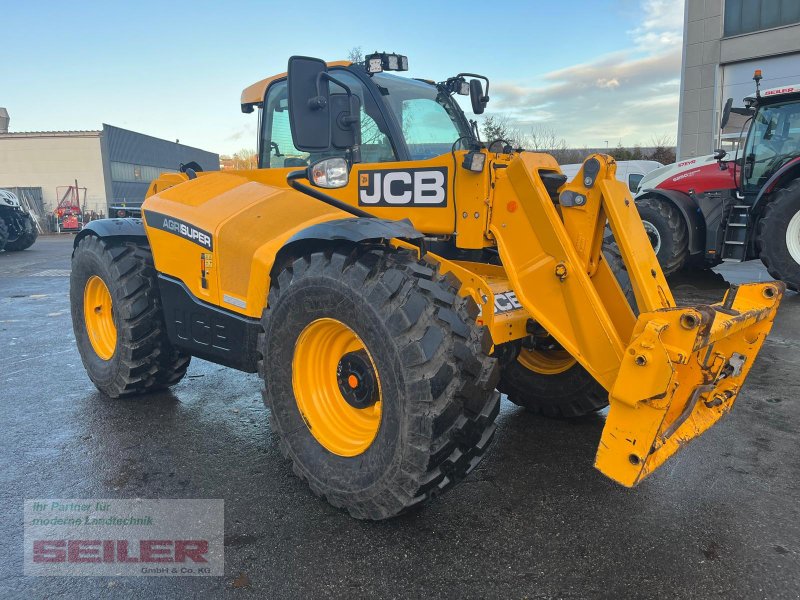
(653, 235)
(99, 317)
(336, 387)
(356, 379)
(793, 237)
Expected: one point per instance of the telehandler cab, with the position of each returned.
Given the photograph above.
(386, 272)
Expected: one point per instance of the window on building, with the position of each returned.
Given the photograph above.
(128, 172)
(746, 16)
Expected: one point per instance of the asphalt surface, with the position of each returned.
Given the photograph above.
(535, 520)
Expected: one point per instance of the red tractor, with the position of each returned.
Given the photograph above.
(706, 210)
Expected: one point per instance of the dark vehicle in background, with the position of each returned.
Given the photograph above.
(125, 209)
(18, 229)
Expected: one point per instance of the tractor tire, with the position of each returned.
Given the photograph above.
(26, 238)
(377, 378)
(117, 319)
(666, 228)
(3, 234)
(778, 235)
(559, 387)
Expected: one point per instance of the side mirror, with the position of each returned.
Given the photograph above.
(749, 165)
(330, 173)
(346, 120)
(479, 101)
(726, 113)
(309, 104)
(719, 154)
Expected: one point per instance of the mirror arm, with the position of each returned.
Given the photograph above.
(293, 177)
(319, 100)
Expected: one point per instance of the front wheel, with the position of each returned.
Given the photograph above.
(376, 376)
(778, 239)
(667, 231)
(26, 237)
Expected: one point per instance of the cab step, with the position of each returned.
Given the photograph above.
(734, 244)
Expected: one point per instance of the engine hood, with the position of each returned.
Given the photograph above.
(694, 175)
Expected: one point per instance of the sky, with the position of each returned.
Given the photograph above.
(590, 70)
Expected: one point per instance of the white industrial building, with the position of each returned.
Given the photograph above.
(724, 42)
(112, 166)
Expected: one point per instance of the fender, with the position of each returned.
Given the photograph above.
(780, 175)
(695, 224)
(355, 229)
(109, 228)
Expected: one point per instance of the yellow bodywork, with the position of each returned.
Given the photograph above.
(671, 372)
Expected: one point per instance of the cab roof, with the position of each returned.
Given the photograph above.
(769, 94)
(253, 95)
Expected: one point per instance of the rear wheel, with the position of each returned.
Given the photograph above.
(666, 228)
(778, 238)
(117, 319)
(547, 380)
(377, 379)
(27, 236)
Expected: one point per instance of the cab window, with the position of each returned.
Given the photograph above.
(633, 181)
(429, 119)
(774, 139)
(277, 150)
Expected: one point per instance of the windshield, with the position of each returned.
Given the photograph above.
(429, 118)
(774, 139)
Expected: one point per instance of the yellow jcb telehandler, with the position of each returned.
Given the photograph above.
(386, 272)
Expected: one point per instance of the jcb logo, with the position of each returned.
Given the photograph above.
(407, 187)
(505, 302)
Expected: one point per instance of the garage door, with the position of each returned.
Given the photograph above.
(737, 78)
(737, 82)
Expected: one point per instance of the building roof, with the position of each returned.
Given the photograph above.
(23, 134)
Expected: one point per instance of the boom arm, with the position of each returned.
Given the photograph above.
(672, 372)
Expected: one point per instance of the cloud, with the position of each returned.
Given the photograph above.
(628, 96)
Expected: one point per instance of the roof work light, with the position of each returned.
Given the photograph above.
(385, 61)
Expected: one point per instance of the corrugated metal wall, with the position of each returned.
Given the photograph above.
(123, 146)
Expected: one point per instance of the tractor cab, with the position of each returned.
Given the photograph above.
(773, 139)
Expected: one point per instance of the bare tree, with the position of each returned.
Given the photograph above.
(245, 159)
(355, 55)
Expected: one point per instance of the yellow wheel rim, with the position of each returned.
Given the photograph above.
(550, 362)
(336, 387)
(99, 318)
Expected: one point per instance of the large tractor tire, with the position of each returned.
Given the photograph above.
(778, 235)
(546, 380)
(118, 321)
(3, 234)
(377, 378)
(667, 231)
(26, 238)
